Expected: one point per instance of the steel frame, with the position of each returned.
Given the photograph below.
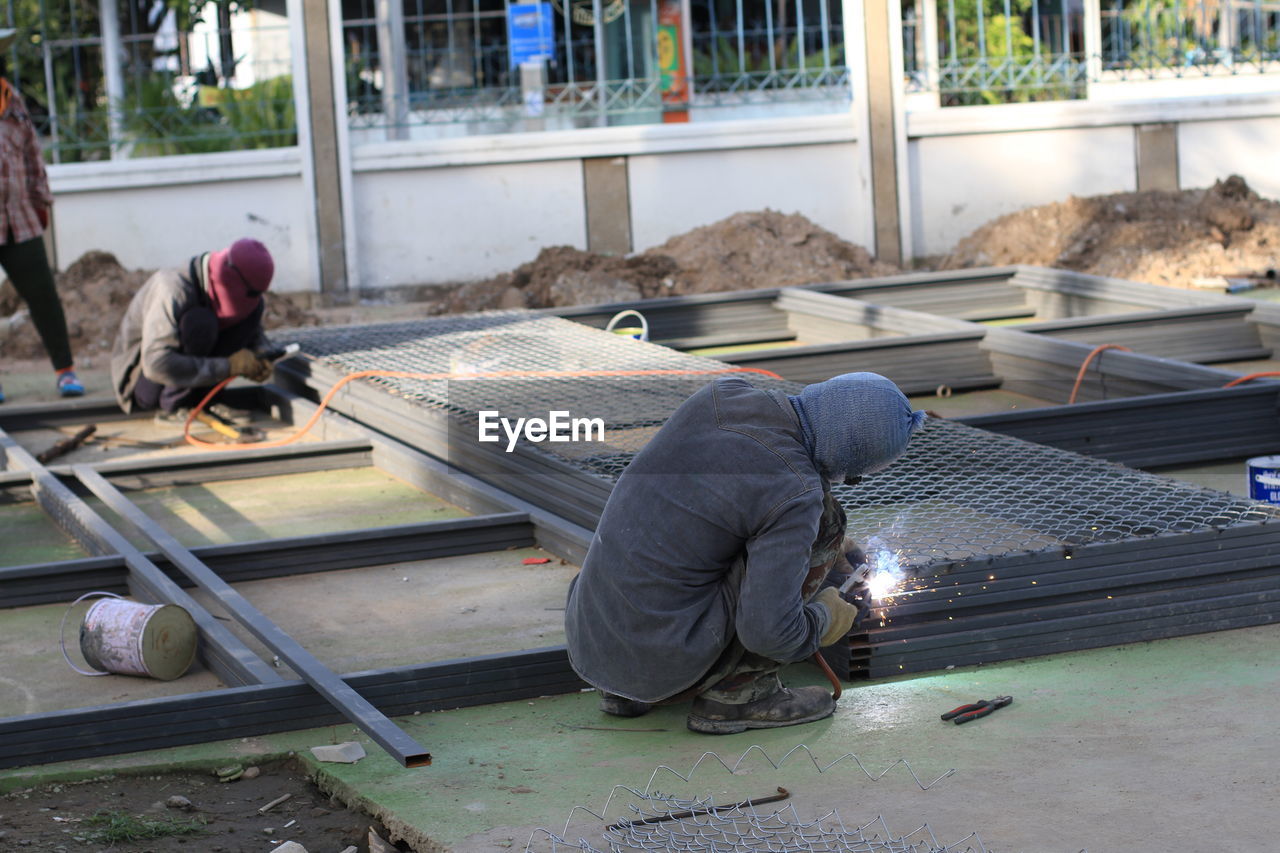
(1202, 581)
(507, 522)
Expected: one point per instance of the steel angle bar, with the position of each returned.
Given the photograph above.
(229, 658)
(292, 711)
(255, 710)
(1116, 363)
(1243, 419)
(860, 312)
(367, 547)
(1036, 616)
(54, 582)
(915, 364)
(353, 706)
(1166, 316)
(1042, 616)
(996, 599)
(51, 583)
(66, 412)
(560, 537)
(1149, 627)
(989, 588)
(231, 464)
(964, 277)
(1106, 289)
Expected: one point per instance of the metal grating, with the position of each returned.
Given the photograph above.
(959, 493)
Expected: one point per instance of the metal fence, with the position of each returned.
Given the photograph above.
(1001, 51)
(192, 78)
(176, 82)
(606, 62)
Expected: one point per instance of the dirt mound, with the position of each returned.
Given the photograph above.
(95, 292)
(746, 251)
(1168, 238)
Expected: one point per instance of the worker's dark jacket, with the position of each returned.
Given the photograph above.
(148, 341)
(726, 476)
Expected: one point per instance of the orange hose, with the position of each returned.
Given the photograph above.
(1080, 376)
(1237, 381)
(836, 687)
(403, 374)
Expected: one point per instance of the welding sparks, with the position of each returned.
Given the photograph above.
(885, 573)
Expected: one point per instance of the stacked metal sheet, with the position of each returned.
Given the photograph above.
(1006, 548)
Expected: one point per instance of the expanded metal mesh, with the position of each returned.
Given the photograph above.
(631, 819)
(700, 826)
(958, 493)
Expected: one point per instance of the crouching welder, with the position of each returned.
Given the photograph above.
(186, 330)
(709, 568)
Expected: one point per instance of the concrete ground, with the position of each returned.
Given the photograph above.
(1151, 747)
(1156, 746)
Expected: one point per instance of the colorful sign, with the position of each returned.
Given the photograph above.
(531, 35)
(673, 69)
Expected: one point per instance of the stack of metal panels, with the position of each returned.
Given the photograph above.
(1008, 548)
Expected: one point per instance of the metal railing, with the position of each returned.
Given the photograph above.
(178, 84)
(1002, 51)
(603, 62)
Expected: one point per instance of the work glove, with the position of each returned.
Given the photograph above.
(245, 363)
(843, 615)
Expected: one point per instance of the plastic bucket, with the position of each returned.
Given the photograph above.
(640, 333)
(128, 638)
(1264, 478)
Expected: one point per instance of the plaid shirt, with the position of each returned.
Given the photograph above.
(24, 186)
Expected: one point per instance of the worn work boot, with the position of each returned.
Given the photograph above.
(621, 706)
(786, 707)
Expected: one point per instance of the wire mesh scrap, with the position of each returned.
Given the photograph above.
(734, 828)
(958, 493)
(658, 820)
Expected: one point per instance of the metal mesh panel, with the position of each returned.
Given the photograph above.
(958, 493)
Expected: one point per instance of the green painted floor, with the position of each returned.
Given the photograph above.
(1157, 746)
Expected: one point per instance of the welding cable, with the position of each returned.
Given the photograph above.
(405, 374)
(1237, 381)
(836, 687)
(1080, 376)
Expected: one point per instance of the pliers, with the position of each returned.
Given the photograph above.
(981, 708)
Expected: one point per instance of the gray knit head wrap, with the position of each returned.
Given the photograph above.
(854, 424)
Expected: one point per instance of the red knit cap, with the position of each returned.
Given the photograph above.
(238, 276)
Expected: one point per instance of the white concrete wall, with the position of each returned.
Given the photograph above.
(1211, 150)
(153, 213)
(672, 193)
(958, 182)
(465, 209)
(467, 222)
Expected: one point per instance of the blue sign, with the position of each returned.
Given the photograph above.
(530, 32)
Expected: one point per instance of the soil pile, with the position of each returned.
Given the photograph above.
(746, 251)
(95, 292)
(1169, 238)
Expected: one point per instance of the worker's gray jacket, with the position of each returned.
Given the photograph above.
(726, 476)
(148, 341)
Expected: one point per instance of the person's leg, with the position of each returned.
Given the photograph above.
(28, 268)
(197, 333)
(743, 690)
(198, 336)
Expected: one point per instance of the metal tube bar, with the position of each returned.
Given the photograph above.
(51, 582)
(229, 658)
(286, 706)
(353, 706)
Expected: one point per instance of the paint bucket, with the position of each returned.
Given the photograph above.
(128, 638)
(1264, 478)
(640, 333)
